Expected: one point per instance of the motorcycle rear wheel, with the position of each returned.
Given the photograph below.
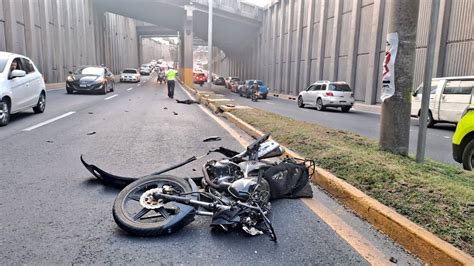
(132, 217)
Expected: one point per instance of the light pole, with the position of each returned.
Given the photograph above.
(209, 46)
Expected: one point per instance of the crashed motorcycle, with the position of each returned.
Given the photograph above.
(234, 191)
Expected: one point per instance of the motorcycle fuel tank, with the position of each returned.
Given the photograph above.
(270, 149)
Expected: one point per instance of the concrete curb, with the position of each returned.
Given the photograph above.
(411, 236)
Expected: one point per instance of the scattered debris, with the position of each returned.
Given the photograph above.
(90, 113)
(91, 133)
(126, 111)
(194, 169)
(49, 141)
(213, 138)
(166, 108)
(175, 113)
(188, 101)
(393, 260)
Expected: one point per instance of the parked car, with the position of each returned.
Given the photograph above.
(220, 81)
(246, 89)
(21, 86)
(229, 80)
(145, 69)
(449, 97)
(322, 94)
(130, 75)
(90, 79)
(463, 139)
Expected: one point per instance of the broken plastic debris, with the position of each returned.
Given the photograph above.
(213, 138)
(175, 113)
(91, 133)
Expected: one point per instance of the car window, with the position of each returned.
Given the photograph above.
(95, 71)
(130, 71)
(435, 84)
(317, 87)
(457, 87)
(16, 65)
(323, 87)
(339, 87)
(29, 67)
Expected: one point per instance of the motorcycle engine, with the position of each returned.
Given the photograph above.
(223, 171)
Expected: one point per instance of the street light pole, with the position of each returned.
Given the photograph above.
(209, 46)
(425, 99)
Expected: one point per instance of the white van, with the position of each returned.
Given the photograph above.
(448, 99)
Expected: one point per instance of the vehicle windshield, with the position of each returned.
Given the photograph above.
(129, 71)
(339, 87)
(93, 71)
(144, 66)
(435, 84)
(3, 62)
(260, 83)
(235, 79)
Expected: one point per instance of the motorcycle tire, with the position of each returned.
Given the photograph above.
(174, 217)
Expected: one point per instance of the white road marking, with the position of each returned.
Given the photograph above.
(269, 103)
(110, 97)
(447, 137)
(129, 89)
(48, 121)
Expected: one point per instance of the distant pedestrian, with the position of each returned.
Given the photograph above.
(170, 79)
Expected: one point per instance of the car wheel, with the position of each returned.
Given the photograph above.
(319, 105)
(345, 109)
(41, 105)
(430, 123)
(468, 156)
(300, 102)
(4, 113)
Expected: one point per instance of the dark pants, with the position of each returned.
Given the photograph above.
(171, 88)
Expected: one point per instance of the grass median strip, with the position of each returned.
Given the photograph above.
(436, 196)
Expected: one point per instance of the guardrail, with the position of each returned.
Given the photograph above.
(236, 7)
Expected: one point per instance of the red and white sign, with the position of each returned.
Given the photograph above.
(388, 80)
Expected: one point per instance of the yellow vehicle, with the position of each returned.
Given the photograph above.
(463, 139)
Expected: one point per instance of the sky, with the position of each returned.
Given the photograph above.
(258, 2)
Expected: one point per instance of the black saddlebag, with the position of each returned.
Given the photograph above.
(290, 179)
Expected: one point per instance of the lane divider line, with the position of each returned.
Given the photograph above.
(110, 97)
(129, 89)
(48, 121)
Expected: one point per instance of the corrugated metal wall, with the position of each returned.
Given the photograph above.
(454, 57)
(60, 35)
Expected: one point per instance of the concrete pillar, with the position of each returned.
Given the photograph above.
(353, 43)
(267, 45)
(30, 40)
(374, 56)
(279, 76)
(323, 21)
(46, 39)
(187, 71)
(336, 37)
(299, 44)
(289, 47)
(441, 39)
(272, 67)
(309, 40)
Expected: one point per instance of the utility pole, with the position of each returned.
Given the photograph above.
(396, 105)
(425, 99)
(209, 47)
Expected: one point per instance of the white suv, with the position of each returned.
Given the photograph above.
(324, 94)
(21, 86)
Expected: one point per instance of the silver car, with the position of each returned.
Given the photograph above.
(21, 86)
(324, 94)
(130, 75)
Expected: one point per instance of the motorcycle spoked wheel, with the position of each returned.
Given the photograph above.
(131, 216)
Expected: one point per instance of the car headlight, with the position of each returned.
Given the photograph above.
(100, 80)
(469, 108)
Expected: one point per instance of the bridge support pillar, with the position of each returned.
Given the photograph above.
(186, 71)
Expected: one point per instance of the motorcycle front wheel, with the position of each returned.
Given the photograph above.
(138, 213)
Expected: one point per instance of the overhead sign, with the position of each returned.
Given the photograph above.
(388, 77)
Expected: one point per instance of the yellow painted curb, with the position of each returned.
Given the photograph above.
(411, 236)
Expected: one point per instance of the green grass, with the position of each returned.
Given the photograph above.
(436, 196)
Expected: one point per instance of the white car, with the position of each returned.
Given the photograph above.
(130, 75)
(449, 97)
(21, 86)
(145, 69)
(324, 94)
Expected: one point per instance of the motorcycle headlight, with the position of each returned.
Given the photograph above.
(70, 78)
(469, 108)
(100, 80)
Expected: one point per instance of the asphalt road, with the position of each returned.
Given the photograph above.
(54, 212)
(438, 141)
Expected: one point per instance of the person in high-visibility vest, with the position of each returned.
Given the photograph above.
(170, 78)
